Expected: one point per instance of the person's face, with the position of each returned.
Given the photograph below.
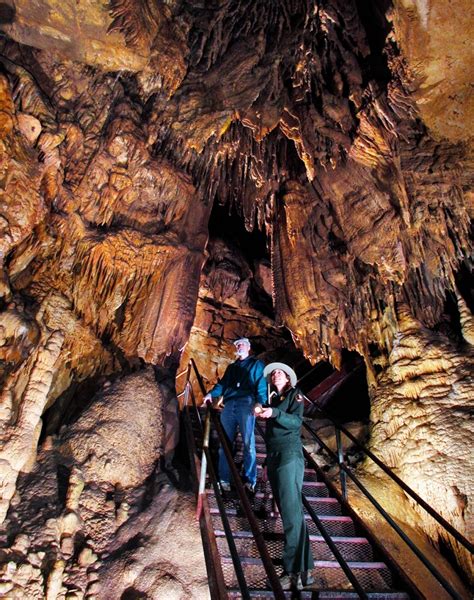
(279, 379)
(242, 349)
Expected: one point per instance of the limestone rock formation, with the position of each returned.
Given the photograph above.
(168, 562)
(436, 48)
(117, 439)
(83, 500)
(339, 131)
(23, 403)
(420, 426)
(230, 303)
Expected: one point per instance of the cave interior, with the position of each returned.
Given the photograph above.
(175, 174)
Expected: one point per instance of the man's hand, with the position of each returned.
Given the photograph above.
(207, 399)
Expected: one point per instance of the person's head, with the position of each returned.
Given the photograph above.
(242, 348)
(279, 375)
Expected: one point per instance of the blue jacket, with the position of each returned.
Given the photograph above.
(242, 379)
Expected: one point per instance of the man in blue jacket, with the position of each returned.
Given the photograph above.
(242, 386)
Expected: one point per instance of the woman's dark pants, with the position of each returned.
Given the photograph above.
(286, 473)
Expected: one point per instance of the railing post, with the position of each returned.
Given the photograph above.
(340, 460)
(205, 446)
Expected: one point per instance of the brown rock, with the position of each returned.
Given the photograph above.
(108, 443)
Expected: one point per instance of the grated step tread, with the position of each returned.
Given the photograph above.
(327, 575)
(350, 548)
(322, 595)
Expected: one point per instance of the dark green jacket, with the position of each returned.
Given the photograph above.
(242, 379)
(283, 429)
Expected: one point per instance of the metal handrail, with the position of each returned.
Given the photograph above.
(334, 549)
(222, 512)
(405, 487)
(332, 546)
(257, 534)
(216, 577)
(395, 567)
(239, 572)
(414, 548)
(192, 362)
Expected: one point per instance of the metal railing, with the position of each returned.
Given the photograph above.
(339, 428)
(205, 431)
(217, 585)
(327, 538)
(345, 472)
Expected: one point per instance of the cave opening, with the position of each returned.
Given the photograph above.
(227, 225)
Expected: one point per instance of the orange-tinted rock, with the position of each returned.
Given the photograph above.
(437, 46)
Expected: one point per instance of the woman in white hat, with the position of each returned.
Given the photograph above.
(285, 468)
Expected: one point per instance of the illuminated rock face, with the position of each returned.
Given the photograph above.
(420, 426)
(436, 48)
(111, 447)
(331, 129)
(226, 311)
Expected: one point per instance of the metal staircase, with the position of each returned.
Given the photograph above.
(330, 581)
(243, 535)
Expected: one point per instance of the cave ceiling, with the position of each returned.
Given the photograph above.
(325, 125)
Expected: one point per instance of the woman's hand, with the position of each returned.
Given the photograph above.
(266, 413)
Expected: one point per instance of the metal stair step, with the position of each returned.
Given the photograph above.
(321, 506)
(310, 488)
(309, 474)
(341, 595)
(235, 594)
(259, 496)
(330, 580)
(352, 549)
(373, 576)
(335, 525)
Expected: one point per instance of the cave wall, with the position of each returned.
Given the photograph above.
(436, 46)
(342, 133)
(420, 425)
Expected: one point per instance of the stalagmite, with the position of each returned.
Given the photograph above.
(55, 580)
(20, 437)
(419, 426)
